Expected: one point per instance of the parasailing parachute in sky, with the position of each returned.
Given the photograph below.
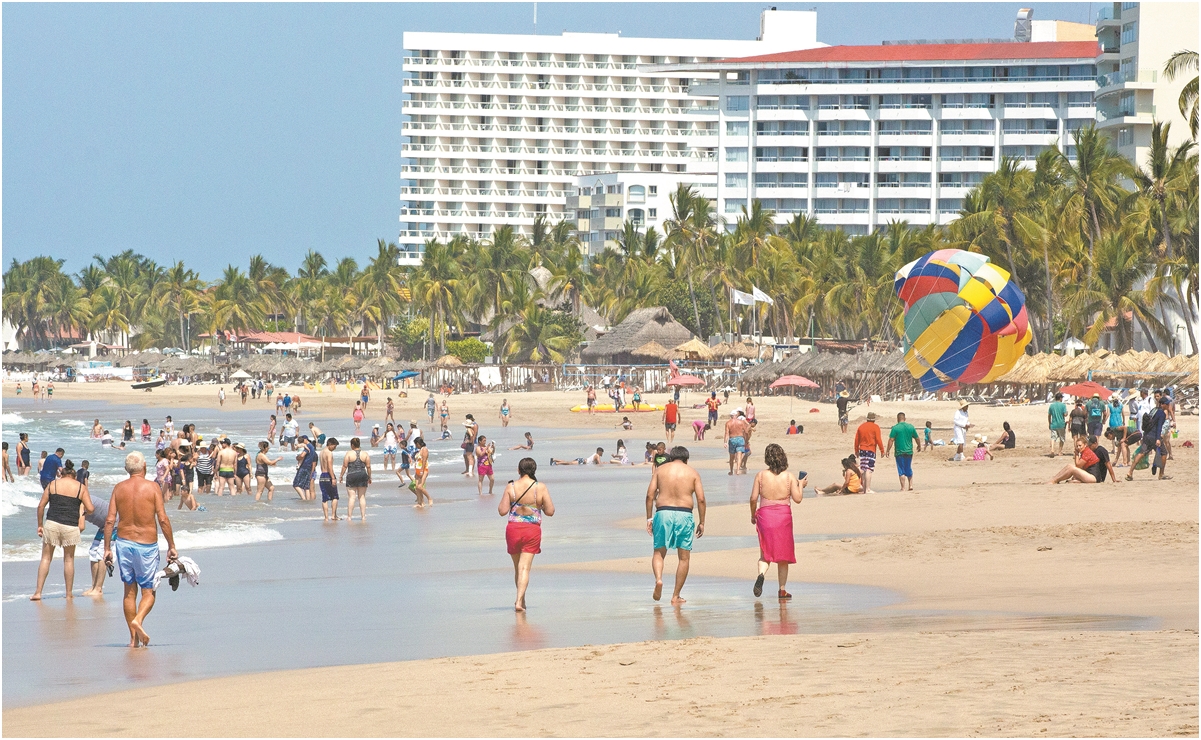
(965, 319)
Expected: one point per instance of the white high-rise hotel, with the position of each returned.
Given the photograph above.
(500, 125)
(861, 135)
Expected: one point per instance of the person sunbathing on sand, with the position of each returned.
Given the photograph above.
(594, 460)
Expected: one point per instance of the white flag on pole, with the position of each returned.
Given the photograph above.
(742, 299)
(760, 296)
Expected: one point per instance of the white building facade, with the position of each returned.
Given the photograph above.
(600, 204)
(858, 136)
(1136, 40)
(498, 127)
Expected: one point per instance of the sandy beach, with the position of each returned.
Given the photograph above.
(1024, 609)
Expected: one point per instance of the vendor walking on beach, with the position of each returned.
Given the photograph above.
(524, 502)
(772, 493)
(1057, 422)
(135, 515)
(671, 417)
(961, 424)
(669, 520)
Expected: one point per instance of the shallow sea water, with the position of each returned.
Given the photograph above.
(281, 589)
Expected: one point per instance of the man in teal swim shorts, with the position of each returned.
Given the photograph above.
(669, 517)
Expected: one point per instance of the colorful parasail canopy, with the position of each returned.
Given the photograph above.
(965, 319)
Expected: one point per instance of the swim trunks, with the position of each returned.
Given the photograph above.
(867, 460)
(1057, 435)
(736, 444)
(329, 489)
(389, 449)
(226, 472)
(483, 469)
(96, 551)
(673, 528)
(137, 562)
(905, 465)
(304, 476)
(670, 426)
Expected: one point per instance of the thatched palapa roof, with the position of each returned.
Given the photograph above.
(641, 326)
(694, 349)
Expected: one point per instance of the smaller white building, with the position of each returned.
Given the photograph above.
(601, 203)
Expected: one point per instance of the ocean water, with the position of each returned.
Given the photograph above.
(281, 589)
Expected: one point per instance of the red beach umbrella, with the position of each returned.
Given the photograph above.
(1086, 390)
(794, 380)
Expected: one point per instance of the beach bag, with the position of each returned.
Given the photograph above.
(1145, 462)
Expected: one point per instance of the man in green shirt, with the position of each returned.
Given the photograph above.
(904, 435)
(1057, 419)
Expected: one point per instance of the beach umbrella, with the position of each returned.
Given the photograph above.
(406, 374)
(448, 361)
(685, 380)
(1086, 389)
(795, 381)
(653, 350)
(239, 375)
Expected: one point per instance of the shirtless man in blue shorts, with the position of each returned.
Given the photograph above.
(669, 518)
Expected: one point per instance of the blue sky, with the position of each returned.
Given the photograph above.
(209, 132)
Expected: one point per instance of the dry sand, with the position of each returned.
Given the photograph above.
(1008, 585)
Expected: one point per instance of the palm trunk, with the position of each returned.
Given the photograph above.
(1146, 333)
(696, 313)
(1188, 320)
(721, 326)
(183, 342)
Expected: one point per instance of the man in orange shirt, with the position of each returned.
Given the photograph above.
(867, 441)
(712, 403)
(671, 417)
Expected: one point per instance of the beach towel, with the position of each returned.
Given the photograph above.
(774, 525)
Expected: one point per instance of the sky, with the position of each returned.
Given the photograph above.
(210, 132)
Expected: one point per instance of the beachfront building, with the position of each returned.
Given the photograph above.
(498, 127)
(1135, 41)
(600, 204)
(858, 136)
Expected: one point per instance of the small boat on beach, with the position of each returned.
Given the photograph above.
(148, 385)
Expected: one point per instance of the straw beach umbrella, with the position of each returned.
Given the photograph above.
(694, 349)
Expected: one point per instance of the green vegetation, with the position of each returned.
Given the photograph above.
(1091, 239)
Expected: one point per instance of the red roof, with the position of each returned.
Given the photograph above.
(933, 52)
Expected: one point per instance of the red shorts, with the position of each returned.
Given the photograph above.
(523, 537)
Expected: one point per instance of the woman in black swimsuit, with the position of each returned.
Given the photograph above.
(127, 431)
(61, 503)
(23, 454)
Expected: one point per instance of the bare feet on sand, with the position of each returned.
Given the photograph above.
(139, 633)
(676, 601)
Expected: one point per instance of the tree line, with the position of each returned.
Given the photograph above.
(1095, 243)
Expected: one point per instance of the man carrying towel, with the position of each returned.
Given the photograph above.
(138, 504)
(669, 517)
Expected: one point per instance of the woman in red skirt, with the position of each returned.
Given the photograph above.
(525, 501)
(771, 495)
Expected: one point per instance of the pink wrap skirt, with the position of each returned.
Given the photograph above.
(774, 525)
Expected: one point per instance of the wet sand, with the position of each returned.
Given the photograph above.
(978, 629)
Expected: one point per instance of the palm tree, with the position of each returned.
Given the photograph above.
(435, 287)
(332, 312)
(1001, 196)
(381, 285)
(180, 288)
(1108, 294)
(108, 314)
(1092, 180)
(496, 267)
(1163, 181)
(539, 336)
(1178, 64)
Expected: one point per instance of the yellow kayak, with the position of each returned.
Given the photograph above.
(607, 408)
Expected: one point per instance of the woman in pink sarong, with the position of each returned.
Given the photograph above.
(772, 493)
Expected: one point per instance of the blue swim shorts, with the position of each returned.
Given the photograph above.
(905, 465)
(137, 562)
(673, 529)
(736, 444)
(329, 488)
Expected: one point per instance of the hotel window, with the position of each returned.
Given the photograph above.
(737, 102)
(736, 154)
(1080, 100)
(637, 194)
(654, 190)
(734, 205)
(652, 212)
(1125, 136)
(736, 180)
(949, 205)
(1130, 32)
(637, 217)
(737, 128)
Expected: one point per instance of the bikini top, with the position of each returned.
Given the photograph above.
(535, 518)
